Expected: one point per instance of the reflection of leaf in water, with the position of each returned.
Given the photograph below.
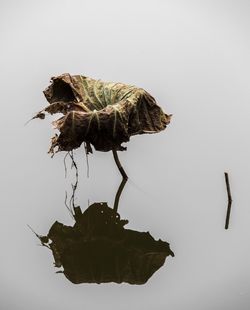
(100, 113)
(99, 249)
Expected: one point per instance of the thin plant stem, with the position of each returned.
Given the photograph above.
(123, 182)
(87, 159)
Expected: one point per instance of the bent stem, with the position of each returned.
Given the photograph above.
(123, 182)
(229, 197)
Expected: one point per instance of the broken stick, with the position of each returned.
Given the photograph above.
(229, 200)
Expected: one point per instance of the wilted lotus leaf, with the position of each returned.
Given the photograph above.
(99, 249)
(99, 113)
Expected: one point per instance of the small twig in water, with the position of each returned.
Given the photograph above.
(229, 200)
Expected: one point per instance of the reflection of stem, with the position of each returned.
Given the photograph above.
(123, 182)
(74, 186)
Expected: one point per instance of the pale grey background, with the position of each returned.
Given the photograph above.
(193, 57)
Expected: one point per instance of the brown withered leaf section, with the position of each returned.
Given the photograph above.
(100, 113)
(98, 249)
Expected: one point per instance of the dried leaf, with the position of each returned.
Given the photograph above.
(100, 113)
